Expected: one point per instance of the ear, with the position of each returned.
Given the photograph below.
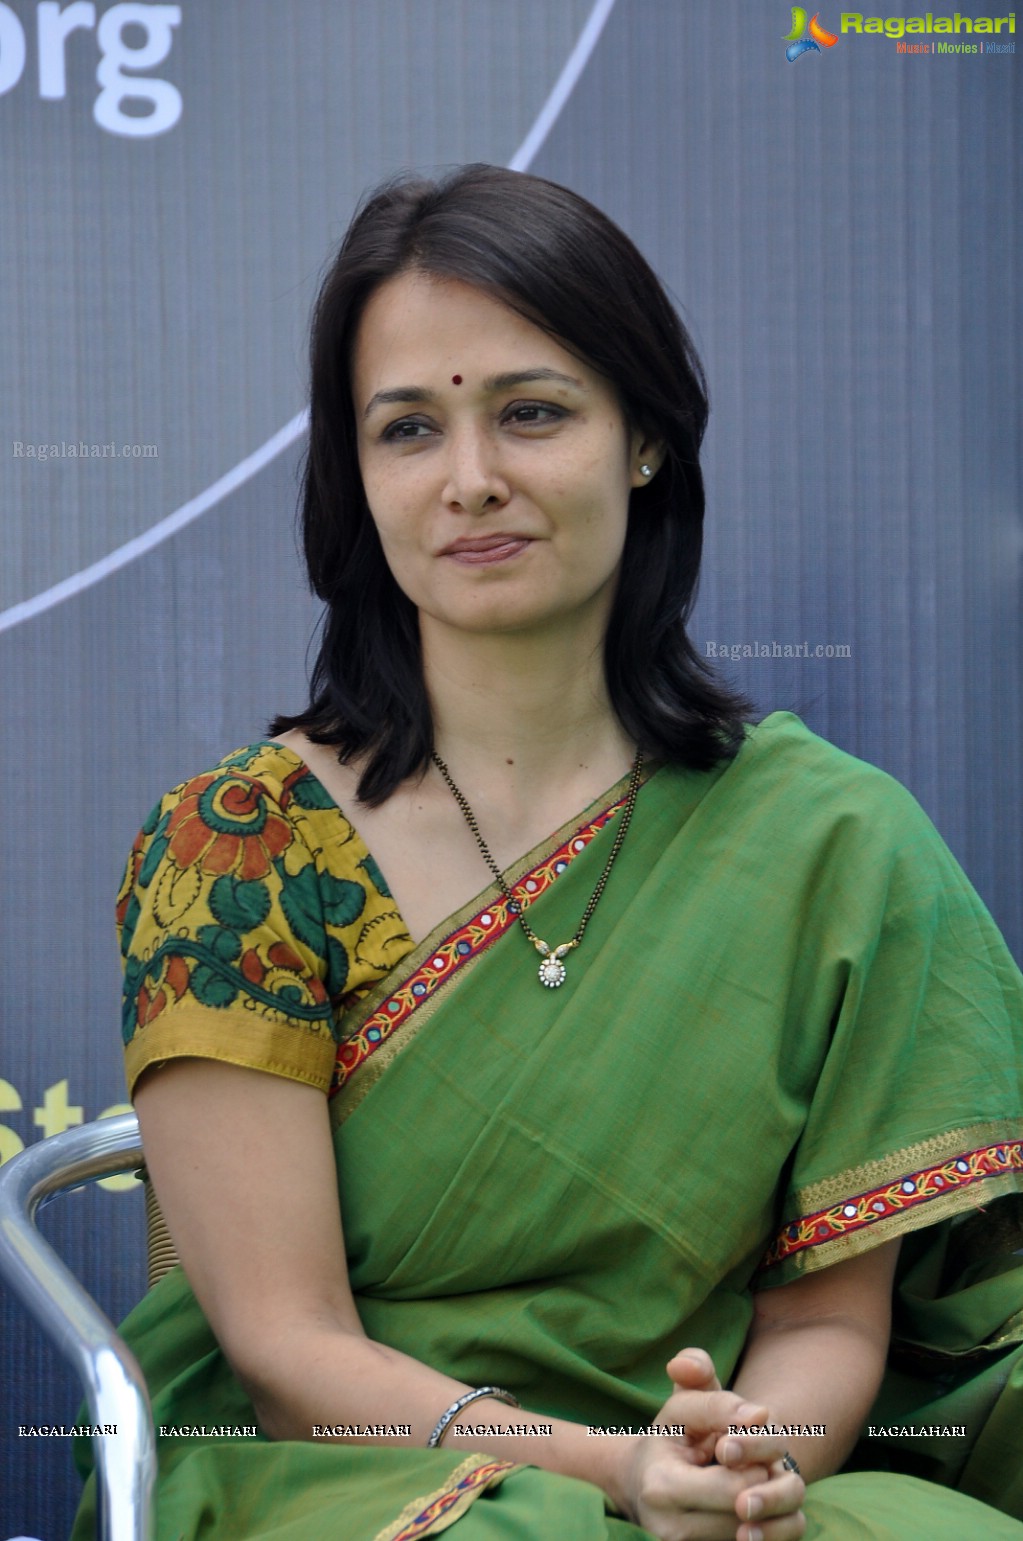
(646, 456)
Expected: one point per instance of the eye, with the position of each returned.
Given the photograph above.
(406, 430)
(533, 414)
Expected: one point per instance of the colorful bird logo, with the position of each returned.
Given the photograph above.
(798, 44)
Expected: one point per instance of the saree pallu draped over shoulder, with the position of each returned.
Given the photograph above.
(791, 1033)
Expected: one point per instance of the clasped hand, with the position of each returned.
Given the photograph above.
(711, 1485)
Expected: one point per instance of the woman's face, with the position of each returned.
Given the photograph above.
(497, 466)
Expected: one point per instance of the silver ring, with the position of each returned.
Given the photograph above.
(790, 1464)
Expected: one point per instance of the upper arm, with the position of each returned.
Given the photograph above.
(857, 1291)
(242, 916)
(243, 1166)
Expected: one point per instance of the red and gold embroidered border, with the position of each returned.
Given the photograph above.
(464, 944)
(898, 1196)
(455, 1496)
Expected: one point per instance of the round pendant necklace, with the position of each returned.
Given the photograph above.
(552, 967)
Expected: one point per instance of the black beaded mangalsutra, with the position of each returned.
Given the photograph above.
(552, 969)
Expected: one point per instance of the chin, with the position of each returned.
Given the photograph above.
(514, 609)
(517, 620)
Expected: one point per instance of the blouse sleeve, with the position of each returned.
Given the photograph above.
(238, 928)
(916, 1114)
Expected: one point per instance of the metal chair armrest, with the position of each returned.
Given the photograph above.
(115, 1390)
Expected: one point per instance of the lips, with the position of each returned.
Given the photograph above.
(477, 550)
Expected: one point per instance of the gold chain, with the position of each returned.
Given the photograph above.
(552, 968)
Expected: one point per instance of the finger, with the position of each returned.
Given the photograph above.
(782, 1495)
(702, 1423)
(739, 1449)
(697, 1527)
(693, 1369)
(676, 1487)
(788, 1528)
(703, 1451)
(705, 1412)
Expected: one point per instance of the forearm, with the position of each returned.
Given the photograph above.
(322, 1378)
(823, 1373)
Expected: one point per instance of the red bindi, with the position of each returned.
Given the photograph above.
(456, 379)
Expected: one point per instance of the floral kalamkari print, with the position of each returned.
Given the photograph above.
(247, 891)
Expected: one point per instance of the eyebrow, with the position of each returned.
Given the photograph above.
(503, 382)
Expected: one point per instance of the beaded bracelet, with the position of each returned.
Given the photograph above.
(452, 1412)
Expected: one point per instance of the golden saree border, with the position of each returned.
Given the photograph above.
(908, 1195)
(303, 1052)
(937, 1148)
(433, 1513)
(370, 1044)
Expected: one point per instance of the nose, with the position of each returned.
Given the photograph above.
(474, 479)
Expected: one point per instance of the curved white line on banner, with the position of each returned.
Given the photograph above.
(279, 442)
(563, 87)
(163, 529)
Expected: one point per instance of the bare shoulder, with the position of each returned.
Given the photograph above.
(341, 781)
(379, 827)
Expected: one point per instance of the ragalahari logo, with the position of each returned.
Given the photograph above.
(798, 44)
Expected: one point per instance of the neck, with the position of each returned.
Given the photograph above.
(523, 711)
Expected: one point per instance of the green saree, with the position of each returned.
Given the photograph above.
(792, 1033)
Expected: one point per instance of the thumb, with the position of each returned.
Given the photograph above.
(692, 1369)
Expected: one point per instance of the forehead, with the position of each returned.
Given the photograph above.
(416, 328)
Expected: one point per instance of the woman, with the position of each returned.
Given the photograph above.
(683, 1157)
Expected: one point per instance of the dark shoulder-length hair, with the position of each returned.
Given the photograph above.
(557, 260)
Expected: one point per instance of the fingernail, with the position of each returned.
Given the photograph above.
(754, 1533)
(732, 1451)
(754, 1507)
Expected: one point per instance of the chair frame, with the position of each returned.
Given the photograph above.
(115, 1390)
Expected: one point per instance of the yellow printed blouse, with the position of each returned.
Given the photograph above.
(251, 915)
